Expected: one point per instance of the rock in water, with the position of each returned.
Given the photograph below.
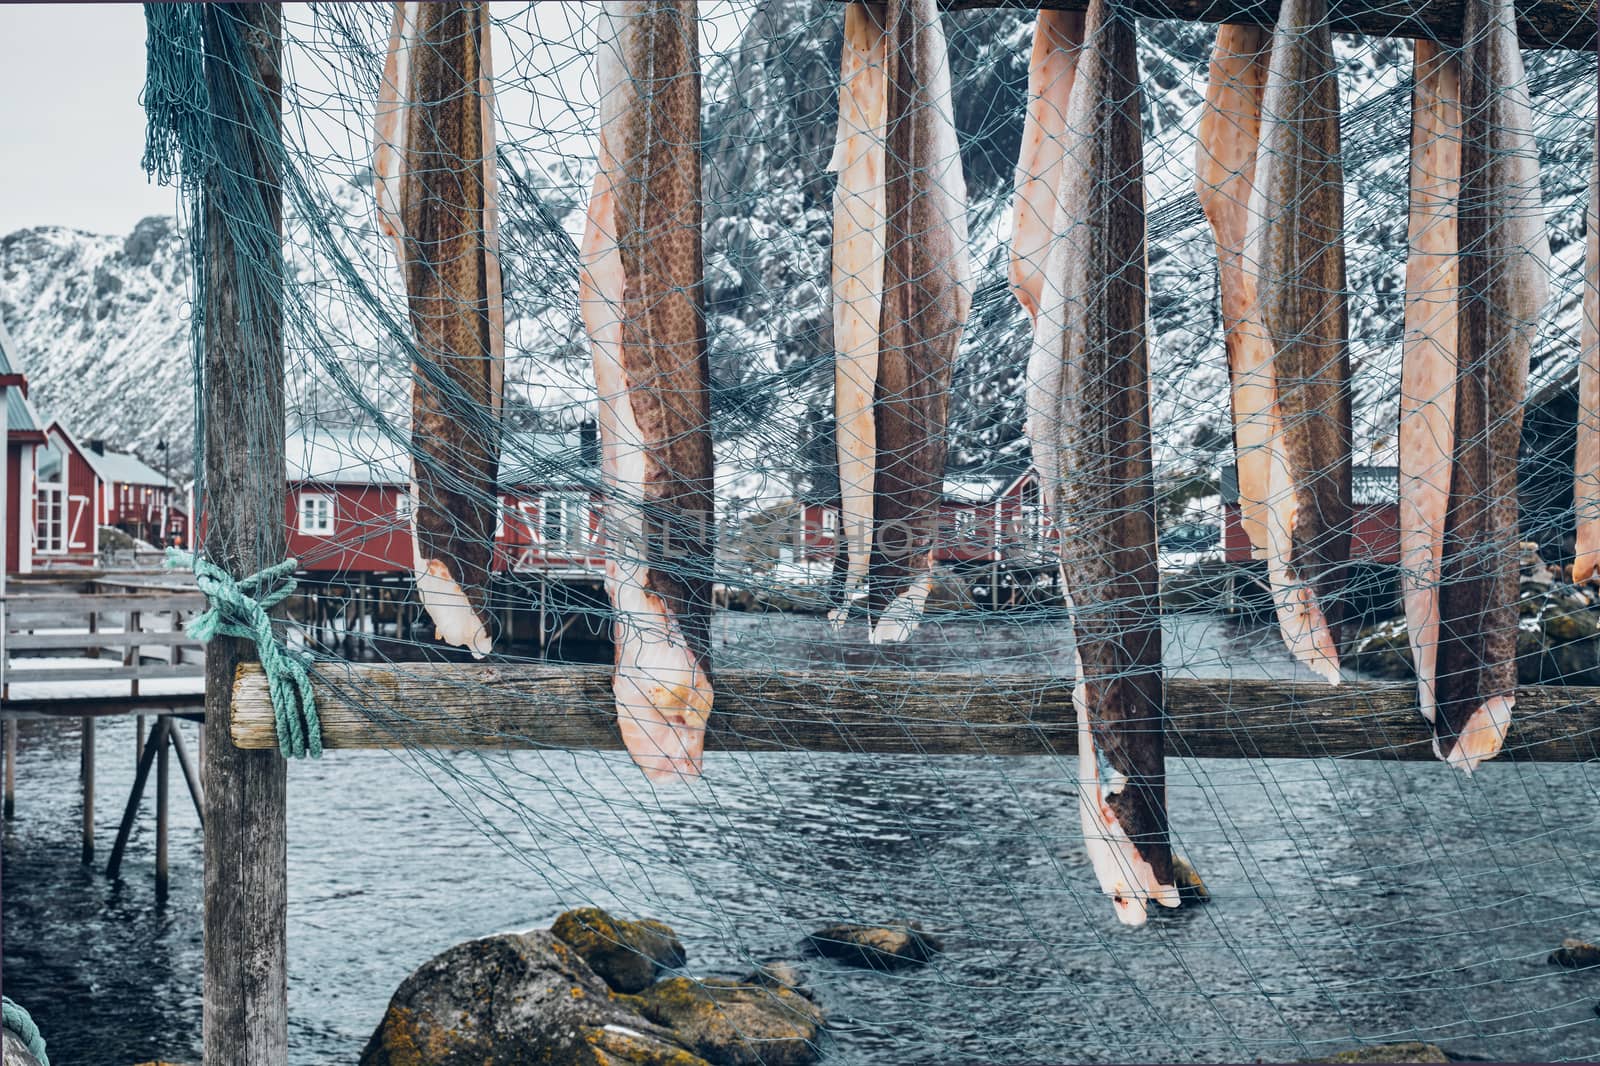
(886, 947)
(736, 1023)
(625, 954)
(1575, 954)
(1410, 1051)
(515, 997)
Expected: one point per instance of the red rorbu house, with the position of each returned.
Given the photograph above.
(82, 486)
(984, 517)
(1375, 518)
(349, 505)
(23, 432)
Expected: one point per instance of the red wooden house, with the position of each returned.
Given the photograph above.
(1375, 522)
(984, 517)
(23, 432)
(348, 504)
(81, 486)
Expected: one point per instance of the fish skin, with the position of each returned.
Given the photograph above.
(1225, 166)
(1504, 288)
(1296, 251)
(858, 250)
(641, 292)
(926, 298)
(1057, 37)
(1105, 495)
(1428, 365)
(435, 185)
(1586, 461)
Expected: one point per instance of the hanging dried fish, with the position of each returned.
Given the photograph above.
(1296, 251)
(435, 182)
(1504, 260)
(1586, 490)
(1225, 167)
(1428, 367)
(858, 235)
(926, 297)
(1093, 326)
(1057, 36)
(641, 290)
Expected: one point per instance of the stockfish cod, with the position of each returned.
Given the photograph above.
(1428, 365)
(1296, 252)
(641, 295)
(1093, 327)
(926, 297)
(1504, 287)
(434, 177)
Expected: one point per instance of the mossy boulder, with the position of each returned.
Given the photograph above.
(515, 997)
(626, 954)
(1410, 1051)
(756, 1021)
(875, 947)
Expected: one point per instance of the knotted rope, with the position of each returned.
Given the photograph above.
(17, 1020)
(239, 609)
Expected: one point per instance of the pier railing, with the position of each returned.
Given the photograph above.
(68, 640)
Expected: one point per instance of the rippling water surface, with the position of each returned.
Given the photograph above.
(1353, 901)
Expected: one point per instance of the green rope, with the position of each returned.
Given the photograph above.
(18, 1021)
(175, 98)
(239, 609)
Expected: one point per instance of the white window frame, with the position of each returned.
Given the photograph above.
(318, 529)
(50, 504)
(830, 520)
(573, 508)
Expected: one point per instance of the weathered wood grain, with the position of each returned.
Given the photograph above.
(890, 712)
(1540, 23)
(246, 1008)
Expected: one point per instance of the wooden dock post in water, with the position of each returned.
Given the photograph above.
(10, 769)
(246, 1015)
(88, 790)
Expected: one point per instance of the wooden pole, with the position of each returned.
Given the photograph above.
(130, 810)
(245, 1012)
(87, 725)
(10, 805)
(162, 826)
(533, 705)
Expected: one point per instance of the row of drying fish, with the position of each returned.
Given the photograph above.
(1269, 180)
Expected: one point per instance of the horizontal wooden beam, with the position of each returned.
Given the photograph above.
(188, 707)
(1540, 23)
(887, 712)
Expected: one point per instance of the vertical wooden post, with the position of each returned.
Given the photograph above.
(10, 811)
(165, 742)
(246, 1019)
(88, 790)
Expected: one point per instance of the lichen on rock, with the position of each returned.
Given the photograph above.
(752, 1022)
(626, 954)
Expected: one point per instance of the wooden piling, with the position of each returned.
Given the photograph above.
(87, 725)
(162, 827)
(10, 803)
(245, 1014)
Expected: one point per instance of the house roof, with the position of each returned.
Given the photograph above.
(368, 456)
(20, 414)
(123, 468)
(1370, 486)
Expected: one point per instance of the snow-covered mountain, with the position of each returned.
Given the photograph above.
(102, 321)
(102, 328)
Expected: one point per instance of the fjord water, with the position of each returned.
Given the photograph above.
(1353, 901)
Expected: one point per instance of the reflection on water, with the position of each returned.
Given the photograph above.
(1353, 901)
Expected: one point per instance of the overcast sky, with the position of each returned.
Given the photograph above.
(73, 130)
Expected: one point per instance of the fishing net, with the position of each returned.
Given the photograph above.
(856, 364)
